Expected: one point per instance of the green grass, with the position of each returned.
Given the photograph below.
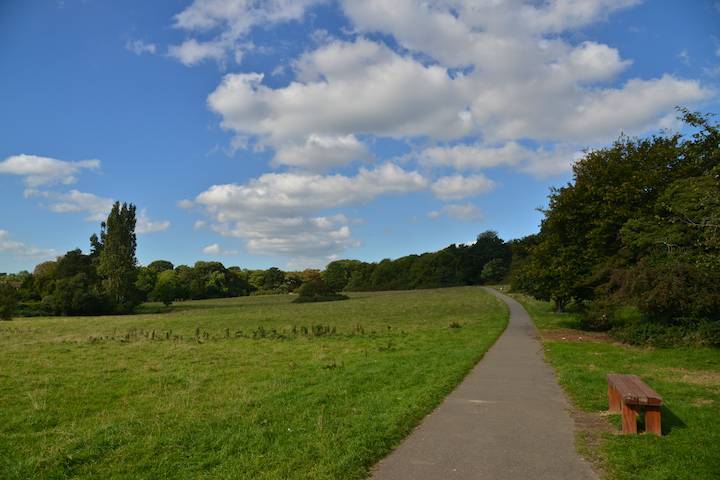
(687, 378)
(98, 397)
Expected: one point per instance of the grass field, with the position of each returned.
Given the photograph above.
(687, 378)
(252, 387)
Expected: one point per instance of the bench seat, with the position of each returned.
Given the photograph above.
(629, 395)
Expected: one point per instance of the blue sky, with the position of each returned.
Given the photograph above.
(290, 133)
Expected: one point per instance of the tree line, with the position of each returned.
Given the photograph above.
(108, 279)
(631, 244)
(485, 261)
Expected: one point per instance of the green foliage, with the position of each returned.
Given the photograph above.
(494, 271)
(273, 278)
(338, 273)
(639, 226)
(116, 259)
(166, 288)
(317, 290)
(74, 287)
(145, 283)
(160, 266)
(8, 300)
(451, 266)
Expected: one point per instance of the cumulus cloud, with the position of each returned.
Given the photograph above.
(15, 247)
(322, 152)
(473, 157)
(277, 194)
(229, 22)
(456, 187)
(146, 225)
(539, 162)
(215, 249)
(474, 82)
(95, 207)
(274, 212)
(138, 47)
(466, 212)
(518, 80)
(42, 171)
(364, 89)
(192, 52)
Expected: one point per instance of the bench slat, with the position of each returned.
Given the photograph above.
(633, 390)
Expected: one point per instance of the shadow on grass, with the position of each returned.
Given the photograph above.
(670, 421)
(205, 304)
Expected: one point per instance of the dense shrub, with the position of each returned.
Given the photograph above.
(316, 290)
(690, 333)
(8, 300)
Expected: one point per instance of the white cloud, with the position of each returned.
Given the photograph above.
(466, 212)
(492, 35)
(358, 87)
(473, 157)
(544, 163)
(274, 213)
(8, 245)
(230, 21)
(348, 88)
(287, 194)
(213, 249)
(41, 171)
(540, 162)
(474, 81)
(199, 224)
(192, 52)
(455, 187)
(95, 207)
(146, 225)
(138, 47)
(185, 203)
(322, 152)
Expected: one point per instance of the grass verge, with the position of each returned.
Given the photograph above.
(687, 378)
(253, 387)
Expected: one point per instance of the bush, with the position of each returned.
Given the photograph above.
(166, 288)
(316, 290)
(687, 332)
(32, 308)
(494, 271)
(8, 301)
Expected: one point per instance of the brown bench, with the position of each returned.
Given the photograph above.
(627, 394)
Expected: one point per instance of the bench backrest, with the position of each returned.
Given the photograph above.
(633, 390)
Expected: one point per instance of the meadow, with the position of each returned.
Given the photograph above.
(687, 378)
(250, 387)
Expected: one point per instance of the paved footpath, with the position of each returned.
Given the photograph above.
(507, 420)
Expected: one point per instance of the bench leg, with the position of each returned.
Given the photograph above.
(629, 421)
(614, 403)
(652, 420)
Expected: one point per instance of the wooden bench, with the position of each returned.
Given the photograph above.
(628, 394)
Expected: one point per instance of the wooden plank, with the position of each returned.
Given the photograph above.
(652, 420)
(629, 421)
(614, 402)
(633, 390)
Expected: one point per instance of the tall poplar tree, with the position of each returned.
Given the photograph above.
(117, 263)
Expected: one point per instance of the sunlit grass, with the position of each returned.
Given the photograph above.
(687, 378)
(191, 394)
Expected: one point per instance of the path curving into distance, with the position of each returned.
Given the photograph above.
(508, 419)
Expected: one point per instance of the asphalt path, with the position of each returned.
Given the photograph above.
(508, 419)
